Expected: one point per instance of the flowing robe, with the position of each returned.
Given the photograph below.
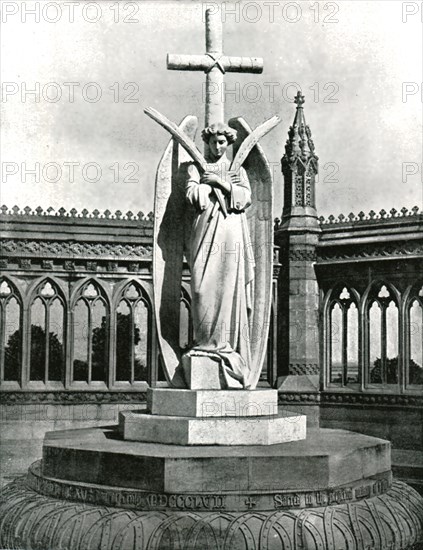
(222, 272)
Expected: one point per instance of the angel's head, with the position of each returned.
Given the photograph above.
(218, 136)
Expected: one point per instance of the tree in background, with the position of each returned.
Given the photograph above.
(415, 372)
(37, 355)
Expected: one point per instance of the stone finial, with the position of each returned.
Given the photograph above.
(299, 99)
(299, 144)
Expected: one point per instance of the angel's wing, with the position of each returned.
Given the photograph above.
(259, 216)
(169, 229)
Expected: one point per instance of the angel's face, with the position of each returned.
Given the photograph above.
(218, 145)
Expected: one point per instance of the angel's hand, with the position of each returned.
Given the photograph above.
(210, 178)
(235, 178)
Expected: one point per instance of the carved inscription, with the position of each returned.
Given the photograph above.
(131, 499)
(373, 489)
(330, 497)
(287, 501)
(314, 498)
(212, 501)
(187, 502)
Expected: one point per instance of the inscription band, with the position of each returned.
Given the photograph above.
(206, 501)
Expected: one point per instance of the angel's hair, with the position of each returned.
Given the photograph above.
(219, 128)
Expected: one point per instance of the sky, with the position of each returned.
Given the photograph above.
(95, 66)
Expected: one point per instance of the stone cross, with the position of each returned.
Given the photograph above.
(215, 65)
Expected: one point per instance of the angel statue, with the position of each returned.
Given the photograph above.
(217, 213)
(221, 260)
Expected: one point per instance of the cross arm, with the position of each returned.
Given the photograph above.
(207, 62)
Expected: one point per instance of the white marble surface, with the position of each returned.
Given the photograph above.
(213, 431)
(212, 403)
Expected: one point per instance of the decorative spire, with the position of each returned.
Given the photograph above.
(299, 143)
(299, 168)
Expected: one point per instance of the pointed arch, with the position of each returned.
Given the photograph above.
(90, 324)
(339, 288)
(11, 332)
(382, 327)
(341, 350)
(413, 336)
(35, 285)
(133, 333)
(377, 286)
(6, 281)
(82, 285)
(47, 309)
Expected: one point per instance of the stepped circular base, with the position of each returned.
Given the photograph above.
(330, 466)
(29, 520)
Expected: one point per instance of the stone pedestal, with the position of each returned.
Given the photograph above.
(201, 372)
(183, 430)
(212, 417)
(94, 488)
(325, 462)
(212, 403)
